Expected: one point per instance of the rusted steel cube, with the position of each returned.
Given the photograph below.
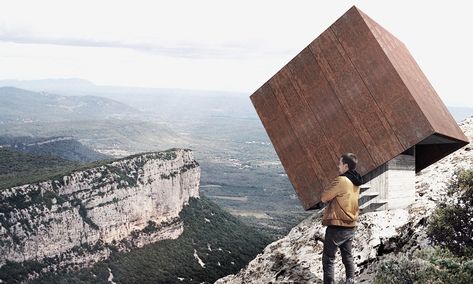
(355, 88)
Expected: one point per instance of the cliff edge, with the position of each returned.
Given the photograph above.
(76, 220)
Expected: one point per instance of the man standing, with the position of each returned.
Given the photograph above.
(340, 217)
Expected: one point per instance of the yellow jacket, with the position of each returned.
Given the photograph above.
(342, 197)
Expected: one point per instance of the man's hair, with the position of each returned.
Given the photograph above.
(350, 159)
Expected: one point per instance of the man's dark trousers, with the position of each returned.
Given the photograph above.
(342, 237)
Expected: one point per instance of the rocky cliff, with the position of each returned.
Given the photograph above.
(297, 258)
(77, 219)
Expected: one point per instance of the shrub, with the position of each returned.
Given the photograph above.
(429, 265)
(451, 224)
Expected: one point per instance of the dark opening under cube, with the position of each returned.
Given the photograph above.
(355, 88)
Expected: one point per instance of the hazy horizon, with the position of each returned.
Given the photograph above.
(209, 45)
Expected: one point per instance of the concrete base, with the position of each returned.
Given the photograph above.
(392, 185)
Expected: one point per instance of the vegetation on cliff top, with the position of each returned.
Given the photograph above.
(63, 147)
(18, 168)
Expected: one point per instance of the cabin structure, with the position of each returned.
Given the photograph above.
(356, 88)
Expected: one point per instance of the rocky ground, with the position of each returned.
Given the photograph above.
(297, 258)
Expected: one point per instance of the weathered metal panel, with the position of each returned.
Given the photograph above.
(306, 127)
(382, 79)
(415, 80)
(292, 155)
(367, 118)
(311, 84)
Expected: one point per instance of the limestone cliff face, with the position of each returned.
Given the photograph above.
(79, 218)
(297, 258)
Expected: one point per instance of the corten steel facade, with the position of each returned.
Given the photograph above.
(355, 88)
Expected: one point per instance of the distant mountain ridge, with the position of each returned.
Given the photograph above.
(71, 86)
(19, 105)
(114, 137)
(165, 103)
(168, 97)
(48, 85)
(110, 127)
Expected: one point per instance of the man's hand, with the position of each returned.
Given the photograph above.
(332, 191)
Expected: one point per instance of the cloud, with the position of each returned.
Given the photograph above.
(179, 50)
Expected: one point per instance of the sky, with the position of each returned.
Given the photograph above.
(232, 46)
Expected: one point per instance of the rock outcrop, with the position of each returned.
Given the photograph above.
(77, 219)
(297, 258)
